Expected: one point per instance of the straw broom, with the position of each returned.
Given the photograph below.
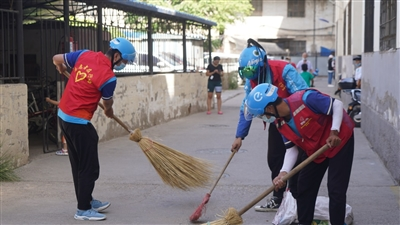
(176, 169)
(233, 217)
(198, 212)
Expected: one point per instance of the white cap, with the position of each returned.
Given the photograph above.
(330, 56)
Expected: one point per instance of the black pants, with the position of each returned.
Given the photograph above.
(309, 181)
(275, 157)
(82, 141)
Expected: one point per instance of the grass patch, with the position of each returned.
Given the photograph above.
(7, 169)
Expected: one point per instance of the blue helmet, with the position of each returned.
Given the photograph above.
(258, 99)
(250, 62)
(125, 47)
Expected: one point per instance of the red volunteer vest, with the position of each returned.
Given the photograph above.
(82, 94)
(313, 128)
(277, 79)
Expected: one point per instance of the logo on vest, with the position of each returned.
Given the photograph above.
(304, 122)
(83, 72)
(258, 96)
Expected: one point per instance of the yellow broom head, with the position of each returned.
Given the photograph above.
(231, 217)
(176, 169)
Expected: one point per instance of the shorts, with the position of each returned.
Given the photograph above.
(217, 85)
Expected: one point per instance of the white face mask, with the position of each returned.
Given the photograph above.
(270, 120)
(120, 67)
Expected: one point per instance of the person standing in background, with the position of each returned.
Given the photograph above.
(307, 76)
(214, 74)
(304, 60)
(331, 70)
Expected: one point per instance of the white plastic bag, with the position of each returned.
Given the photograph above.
(287, 212)
(321, 211)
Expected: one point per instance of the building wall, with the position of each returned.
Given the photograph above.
(274, 24)
(380, 98)
(139, 101)
(145, 101)
(381, 107)
(14, 122)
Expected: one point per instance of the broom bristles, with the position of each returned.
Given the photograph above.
(231, 217)
(199, 211)
(176, 169)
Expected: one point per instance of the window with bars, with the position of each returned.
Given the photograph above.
(258, 6)
(296, 48)
(388, 25)
(296, 8)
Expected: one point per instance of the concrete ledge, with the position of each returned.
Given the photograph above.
(14, 122)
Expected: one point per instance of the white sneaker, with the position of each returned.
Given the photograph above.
(90, 214)
(331, 85)
(272, 205)
(62, 152)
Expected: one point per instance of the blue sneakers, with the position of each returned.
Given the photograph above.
(89, 215)
(99, 206)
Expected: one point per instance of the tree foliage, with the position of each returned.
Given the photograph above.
(222, 12)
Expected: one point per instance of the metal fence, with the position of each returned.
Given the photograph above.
(162, 45)
(8, 46)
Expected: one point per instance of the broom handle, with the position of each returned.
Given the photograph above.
(222, 172)
(102, 106)
(286, 177)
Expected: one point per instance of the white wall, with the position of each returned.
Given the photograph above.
(381, 106)
(357, 17)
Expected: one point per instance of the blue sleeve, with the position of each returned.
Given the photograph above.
(107, 89)
(294, 82)
(318, 102)
(288, 144)
(247, 90)
(244, 125)
(71, 58)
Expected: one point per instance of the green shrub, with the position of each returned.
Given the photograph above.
(233, 80)
(7, 169)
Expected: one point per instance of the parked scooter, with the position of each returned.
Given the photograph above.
(354, 108)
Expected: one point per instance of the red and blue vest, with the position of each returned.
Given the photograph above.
(313, 128)
(277, 67)
(82, 94)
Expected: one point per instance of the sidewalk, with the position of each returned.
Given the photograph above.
(45, 195)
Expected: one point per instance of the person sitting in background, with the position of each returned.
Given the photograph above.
(307, 76)
(358, 71)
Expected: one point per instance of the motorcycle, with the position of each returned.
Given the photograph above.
(354, 108)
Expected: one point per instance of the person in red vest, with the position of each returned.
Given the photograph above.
(310, 119)
(255, 68)
(92, 78)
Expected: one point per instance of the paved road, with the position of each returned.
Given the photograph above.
(46, 196)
